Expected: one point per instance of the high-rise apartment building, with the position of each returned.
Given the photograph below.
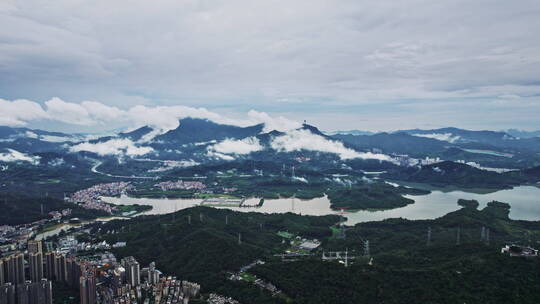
(36, 266)
(133, 272)
(49, 265)
(34, 247)
(14, 268)
(87, 288)
(35, 292)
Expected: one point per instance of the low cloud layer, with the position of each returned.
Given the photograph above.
(16, 156)
(297, 140)
(19, 113)
(449, 137)
(240, 147)
(113, 147)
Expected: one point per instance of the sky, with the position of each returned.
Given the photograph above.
(77, 65)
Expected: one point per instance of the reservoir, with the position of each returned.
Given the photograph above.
(524, 202)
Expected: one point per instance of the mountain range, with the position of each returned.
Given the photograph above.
(201, 140)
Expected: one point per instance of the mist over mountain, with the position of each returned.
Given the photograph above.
(522, 133)
(201, 140)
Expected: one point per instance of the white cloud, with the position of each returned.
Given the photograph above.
(297, 140)
(279, 123)
(58, 139)
(220, 155)
(225, 148)
(449, 137)
(56, 162)
(343, 53)
(19, 112)
(300, 179)
(30, 134)
(113, 147)
(15, 156)
(85, 113)
(160, 118)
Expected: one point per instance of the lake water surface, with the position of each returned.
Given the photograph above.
(524, 202)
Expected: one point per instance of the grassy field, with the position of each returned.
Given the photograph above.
(248, 276)
(285, 234)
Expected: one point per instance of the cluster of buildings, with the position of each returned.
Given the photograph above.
(183, 185)
(16, 287)
(302, 159)
(90, 198)
(69, 244)
(16, 237)
(28, 279)
(299, 244)
(218, 299)
(519, 251)
(229, 190)
(57, 215)
(407, 161)
(127, 283)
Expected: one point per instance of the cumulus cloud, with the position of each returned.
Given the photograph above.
(297, 140)
(225, 148)
(449, 137)
(19, 112)
(300, 179)
(220, 155)
(30, 134)
(16, 156)
(160, 118)
(113, 147)
(344, 52)
(279, 123)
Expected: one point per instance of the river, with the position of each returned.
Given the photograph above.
(524, 202)
(66, 226)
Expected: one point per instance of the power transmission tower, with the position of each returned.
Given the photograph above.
(226, 220)
(483, 234)
(366, 248)
(429, 236)
(239, 238)
(189, 219)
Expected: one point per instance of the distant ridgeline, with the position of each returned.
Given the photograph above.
(456, 174)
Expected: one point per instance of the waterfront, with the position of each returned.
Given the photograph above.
(66, 226)
(524, 202)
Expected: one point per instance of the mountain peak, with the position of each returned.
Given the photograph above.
(193, 130)
(312, 129)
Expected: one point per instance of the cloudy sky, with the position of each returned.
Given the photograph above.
(372, 65)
